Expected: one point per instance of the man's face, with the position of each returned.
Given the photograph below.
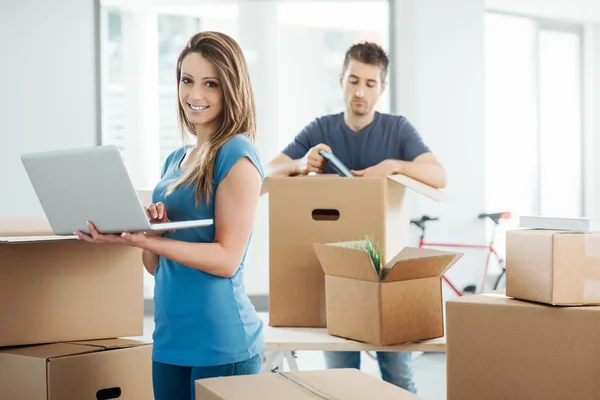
(362, 85)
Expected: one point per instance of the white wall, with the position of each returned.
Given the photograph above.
(592, 116)
(568, 10)
(48, 96)
(439, 72)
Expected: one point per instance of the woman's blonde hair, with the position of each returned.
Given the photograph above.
(239, 109)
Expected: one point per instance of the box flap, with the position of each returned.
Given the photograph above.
(420, 187)
(416, 263)
(494, 298)
(340, 259)
(36, 239)
(50, 351)
(109, 344)
(329, 384)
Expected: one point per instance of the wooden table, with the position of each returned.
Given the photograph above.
(281, 342)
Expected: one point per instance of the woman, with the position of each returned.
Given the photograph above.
(205, 323)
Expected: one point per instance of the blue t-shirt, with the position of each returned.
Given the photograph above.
(202, 319)
(386, 137)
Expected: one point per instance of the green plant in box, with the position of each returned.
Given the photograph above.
(374, 251)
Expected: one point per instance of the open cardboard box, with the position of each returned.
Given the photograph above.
(553, 267)
(103, 369)
(347, 384)
(57, 289)
(322, 209)
(401, 303)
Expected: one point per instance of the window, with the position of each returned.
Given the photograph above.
(560, 113)
(533, 117)
(295, 52)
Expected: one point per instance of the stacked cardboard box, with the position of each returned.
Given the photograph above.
(305, 210)
(539, 341)
(319, 278)
(63, 303)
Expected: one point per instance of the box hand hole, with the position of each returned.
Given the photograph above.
(323, 214)
(108, 393)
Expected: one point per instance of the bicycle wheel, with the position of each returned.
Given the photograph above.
(501, 281)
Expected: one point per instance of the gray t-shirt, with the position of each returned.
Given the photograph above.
(386, 137)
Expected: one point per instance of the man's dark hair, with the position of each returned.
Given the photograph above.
(368, 53)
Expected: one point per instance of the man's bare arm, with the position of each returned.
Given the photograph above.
(282, 165)
(425, 168)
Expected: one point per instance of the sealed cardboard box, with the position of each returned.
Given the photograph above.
(503, 348)
(104, 369)
(57, 289)
(402, 302)
(321, 209)
(553, 267)
(347, 384)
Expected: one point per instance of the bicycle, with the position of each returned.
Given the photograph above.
(469, 289)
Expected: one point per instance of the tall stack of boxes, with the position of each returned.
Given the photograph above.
(65, 304)
(540, 340)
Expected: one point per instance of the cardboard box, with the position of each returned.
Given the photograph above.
(57, 289)
(347, 384)
(104, 369)
(553, 267)
(403, 303)
(321, 209)
(503, 348)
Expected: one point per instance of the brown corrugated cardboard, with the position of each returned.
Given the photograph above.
(347, 384)
(55, 289)
(503, 348)
(319, 209)
(104, 369)
(402, 304)
(553, 267)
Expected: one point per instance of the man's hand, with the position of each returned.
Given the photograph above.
(312, 160)
(383, 169)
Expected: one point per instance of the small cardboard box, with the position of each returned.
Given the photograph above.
(58, 289)
(104, 369)
(321, 209)
(553, 267)
(502, 348)
(403, 303)
(347, 384)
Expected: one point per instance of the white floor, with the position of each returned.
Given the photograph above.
(429, 368)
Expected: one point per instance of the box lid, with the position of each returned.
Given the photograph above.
(420, 187)
(499, 299)
(59, 350)
(110, 344)
(350, 260)
(50, 351)
(29, 230)
(329, 384)
(417, 186)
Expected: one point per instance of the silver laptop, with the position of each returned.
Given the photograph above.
(91, 184)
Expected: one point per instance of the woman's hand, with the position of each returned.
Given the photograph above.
(131, 239)
(157, 213)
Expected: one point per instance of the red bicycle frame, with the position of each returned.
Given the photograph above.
(489, 247)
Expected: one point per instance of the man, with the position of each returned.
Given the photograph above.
(370, 144)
